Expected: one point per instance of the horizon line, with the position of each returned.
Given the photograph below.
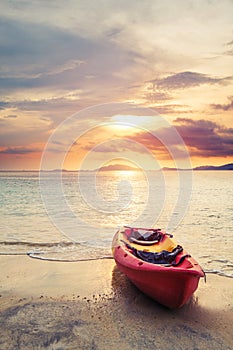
(202, 167)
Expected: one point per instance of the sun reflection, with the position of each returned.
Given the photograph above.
(127, 173)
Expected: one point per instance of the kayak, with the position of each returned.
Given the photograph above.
(156, 264)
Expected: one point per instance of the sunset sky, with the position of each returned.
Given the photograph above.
(59, 57)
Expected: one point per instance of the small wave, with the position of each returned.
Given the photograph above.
(13, 253)
(75, 252)
(220, 273)
(37, 244)
(46, 257)
(224, 261)
(57, 251)
(220, 266)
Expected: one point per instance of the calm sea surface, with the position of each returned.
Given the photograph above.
(73, 216)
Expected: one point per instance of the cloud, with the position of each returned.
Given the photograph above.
(3, 105)
(18, 150)
(224, 107)
(33, 43)
(114, 31)
(120, 145)
(186, 80)
(37, 55)
(163, 143)
(170, 108)
(23, 130)
(44, 104)
(205, 138)
(152, 95)
(10, 116)
(230, 51)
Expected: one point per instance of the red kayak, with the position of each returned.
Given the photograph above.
(153, 261)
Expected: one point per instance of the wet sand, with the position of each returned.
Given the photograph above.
(91, 305)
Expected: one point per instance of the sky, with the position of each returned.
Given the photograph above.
(171, 59)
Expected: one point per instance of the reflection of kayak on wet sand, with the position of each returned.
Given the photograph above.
(154, 262)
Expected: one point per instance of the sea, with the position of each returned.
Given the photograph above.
(71, 216)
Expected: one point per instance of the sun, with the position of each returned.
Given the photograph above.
(124, 128)
(125, 122)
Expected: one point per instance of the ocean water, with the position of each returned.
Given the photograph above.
(73, 216)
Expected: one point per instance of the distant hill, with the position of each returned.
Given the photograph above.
(206, 167)
(171, 169)
(211, 167)
(117, 167)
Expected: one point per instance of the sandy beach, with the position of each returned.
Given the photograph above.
(91, 305)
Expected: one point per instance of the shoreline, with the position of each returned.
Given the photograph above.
(91, 305)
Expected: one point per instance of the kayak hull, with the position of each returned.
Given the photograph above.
(172, 286)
